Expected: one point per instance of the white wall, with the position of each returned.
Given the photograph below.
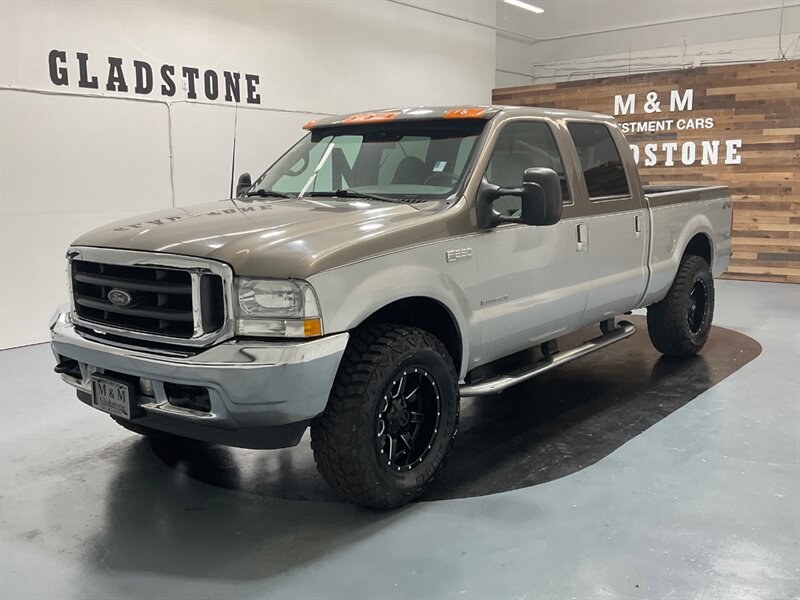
(69, 163)
(615, 37)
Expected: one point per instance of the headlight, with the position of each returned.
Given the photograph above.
(280, 308)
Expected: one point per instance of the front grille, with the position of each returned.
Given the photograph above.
(148, 299)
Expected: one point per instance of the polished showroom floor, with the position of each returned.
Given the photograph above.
(623, 476)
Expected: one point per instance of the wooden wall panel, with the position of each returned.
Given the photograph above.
(758, 104)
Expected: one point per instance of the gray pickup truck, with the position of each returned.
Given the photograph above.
(377, 272)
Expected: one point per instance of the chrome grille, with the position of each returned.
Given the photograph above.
(131, 294)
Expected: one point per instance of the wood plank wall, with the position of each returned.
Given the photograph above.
(756, 103)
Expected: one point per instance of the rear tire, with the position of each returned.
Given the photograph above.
(391, 418)
(679, 325)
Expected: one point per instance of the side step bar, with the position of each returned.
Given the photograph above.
(503, 382)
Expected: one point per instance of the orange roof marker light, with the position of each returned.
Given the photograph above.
(376, 117)
(465, 113)
(310, 124)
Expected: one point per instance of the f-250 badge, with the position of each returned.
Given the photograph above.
(458, 254)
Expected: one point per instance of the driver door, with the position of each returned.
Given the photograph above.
(531, 280)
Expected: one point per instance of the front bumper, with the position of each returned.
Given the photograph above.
(261, 394)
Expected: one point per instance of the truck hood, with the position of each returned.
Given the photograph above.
(274, 237)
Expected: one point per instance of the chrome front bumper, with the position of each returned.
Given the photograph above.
(262, 394)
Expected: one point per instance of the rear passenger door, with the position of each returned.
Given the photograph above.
(531, 279)
(612, 232)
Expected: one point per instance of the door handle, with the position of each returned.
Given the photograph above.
(582, 237)
(637, 224)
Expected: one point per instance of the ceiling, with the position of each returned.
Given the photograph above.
(568, 18)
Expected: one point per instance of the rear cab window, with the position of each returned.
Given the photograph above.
(600, 161)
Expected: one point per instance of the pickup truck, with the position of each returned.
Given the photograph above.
(377, 272)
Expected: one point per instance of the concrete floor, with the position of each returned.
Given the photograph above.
(705, 503)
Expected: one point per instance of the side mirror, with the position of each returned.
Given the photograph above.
(244, 184)
(540, 197)
(541, 200)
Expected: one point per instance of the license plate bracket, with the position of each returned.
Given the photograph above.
(113, 396)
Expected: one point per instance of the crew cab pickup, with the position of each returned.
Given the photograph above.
(377, 272)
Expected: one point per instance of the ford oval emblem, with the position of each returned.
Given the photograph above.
(120, 297)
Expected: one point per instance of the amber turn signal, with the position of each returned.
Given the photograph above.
(312, 327)
(465, 113)
(370, 118)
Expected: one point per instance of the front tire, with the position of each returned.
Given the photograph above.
(391, 418)
(679, 325)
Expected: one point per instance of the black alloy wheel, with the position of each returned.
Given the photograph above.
(408, 419)
(696, 313)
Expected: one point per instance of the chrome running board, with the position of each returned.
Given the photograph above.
(503, 382)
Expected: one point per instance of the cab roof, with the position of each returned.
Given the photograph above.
(485, 112)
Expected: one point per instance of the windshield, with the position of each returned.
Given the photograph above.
(403, 161)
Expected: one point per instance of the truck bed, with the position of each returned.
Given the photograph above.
(662, 195)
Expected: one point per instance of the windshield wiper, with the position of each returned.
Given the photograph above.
(268, 194)
(352, 194)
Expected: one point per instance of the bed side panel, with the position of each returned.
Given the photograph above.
(676, 217)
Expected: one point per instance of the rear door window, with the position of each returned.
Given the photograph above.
(600, 161)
